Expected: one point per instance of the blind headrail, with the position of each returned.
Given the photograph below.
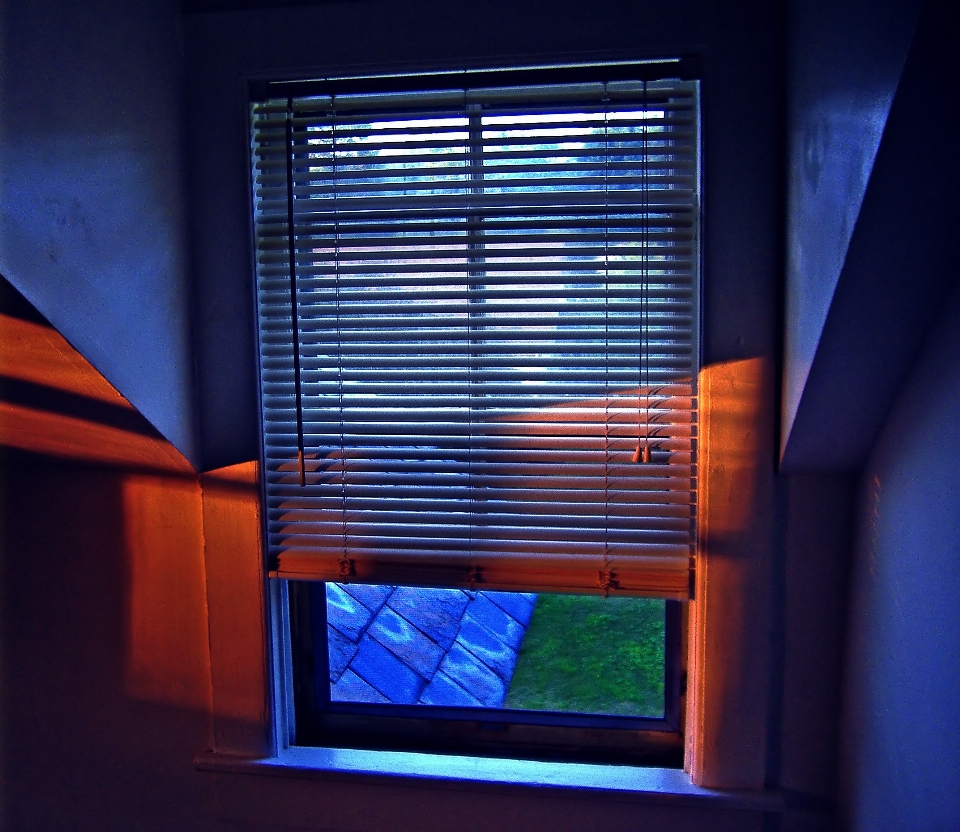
(404, 81)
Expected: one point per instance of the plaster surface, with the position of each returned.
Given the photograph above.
(844, 63)
(901, 714)
(93, 223)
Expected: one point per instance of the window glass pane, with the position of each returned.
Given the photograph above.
(448, 647)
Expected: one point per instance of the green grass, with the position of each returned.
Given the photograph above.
(590, 654)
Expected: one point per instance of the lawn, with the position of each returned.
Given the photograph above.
(589, 654)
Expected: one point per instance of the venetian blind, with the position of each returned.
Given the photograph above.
(478, 315)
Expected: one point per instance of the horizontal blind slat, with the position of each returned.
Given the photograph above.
(495, 304)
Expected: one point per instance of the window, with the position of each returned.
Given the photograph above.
(478, 335)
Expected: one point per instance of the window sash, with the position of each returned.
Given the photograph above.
(488, 304)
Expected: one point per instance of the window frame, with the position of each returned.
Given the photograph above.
(729, 656)
(482, 731)
(653, 742)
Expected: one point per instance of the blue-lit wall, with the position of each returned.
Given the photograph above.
(93, 223)
(900, 756)
(871, 214)
(143, 264)
(845, 61)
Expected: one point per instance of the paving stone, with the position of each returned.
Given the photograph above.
(486, 647)
(505, 627)
(351, 688)
(340, 650)
(442, 690)
(406, 642)
(380, 668)
(518, 604)
(436, 612)
(474, 676)
(372, 596)
(346, 613)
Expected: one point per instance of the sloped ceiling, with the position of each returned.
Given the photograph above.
(93, 220)
(54, 403)
(873, 176)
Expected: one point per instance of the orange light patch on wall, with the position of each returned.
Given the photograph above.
(54, 402)
(36, 352)
(232, 535)
(166, 651)
(71, 411)
(733, 551)
(67, 437)
(732, 405)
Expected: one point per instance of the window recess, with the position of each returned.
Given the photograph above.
(478, 335)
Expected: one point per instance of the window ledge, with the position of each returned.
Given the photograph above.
(648, 785)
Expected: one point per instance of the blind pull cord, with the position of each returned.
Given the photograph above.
(346, 564)
(643, 453)
(294, 314)
(606, 581)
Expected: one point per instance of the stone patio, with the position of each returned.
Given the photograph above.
(413, 645)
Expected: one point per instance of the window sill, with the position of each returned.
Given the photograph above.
(645, 785)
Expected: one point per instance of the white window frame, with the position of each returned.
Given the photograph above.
(250, 659)
(287, 110)
(729, 654)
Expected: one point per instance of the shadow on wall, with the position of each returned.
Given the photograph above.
(56, 409)
(105, 682)
(105, 697)
(53, 401)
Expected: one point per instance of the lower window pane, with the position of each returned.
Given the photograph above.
(535, 652)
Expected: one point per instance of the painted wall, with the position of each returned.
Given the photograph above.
(897, 267)
(105, 674)
(844, 64)
(817, 538)
(105, 681)
(901, 761)
(97, 658)
(92, 191)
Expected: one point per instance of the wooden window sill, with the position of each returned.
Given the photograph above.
(641, 784)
